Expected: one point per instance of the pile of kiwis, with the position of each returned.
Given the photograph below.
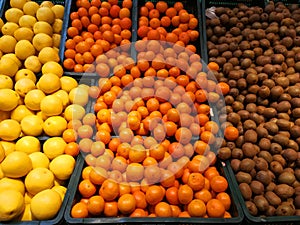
(258, 50)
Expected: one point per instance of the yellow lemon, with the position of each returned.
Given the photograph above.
(7, 44)
(55, 126)
(57, 26)
(14, 58)
(51, 105)
(23, 33)
(42, 40)
(30, 8)
(38, 180)
(42, 27)
(9, 99)
(53, 67)
(45, 14)
(22, 73)
(8, 66)
(10, 130)
(48, 54)
(61, 190)
(45, 204)
(58, 11)
(28, 144)
(8, 146)
(16, 164)
(62, 166)
(27, 21)
(1, 172)
(12, 184)
(33, 99)
(49, 83)
(1, 23)
(2, 153)
(33, 63)
(20, 112)
(63, 95)
(11, 205)
(74, 112)
(48, 4)
(68, 83)
(32, 125)
(23, 86)
(9, 28)
(41, 115)
(39, 159)
(13, 15)
(6, 82)
(56, 40)
(24, 49)
(17, 3)
(54, 147)
(26, 215)
(27, 197)
(79, 96)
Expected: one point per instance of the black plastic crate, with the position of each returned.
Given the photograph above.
(236, 211)
(67, 22)
(286, 2)
(249, 219)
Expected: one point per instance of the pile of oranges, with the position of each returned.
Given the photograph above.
(96, 27)
(148, 146)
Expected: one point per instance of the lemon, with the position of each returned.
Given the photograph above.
(33, 63)
(74, 112)
(45, 14)
(39, 159)
(63, 95)
(9, 99)
(7, 43)
(30, 8)
(9, 130)
(1, 23)
(45, 204)
(8, 147)
(23, 33)
(14, 58)
(26, 215)
(41, 115)
(32, 125)
(58, 11)
(38, 180)
(61, 190)
(53, 147)
(48, 4)
(56, 40)
(51, 105)
(27, 197)
(6, 82)
(13, 15)
(17, 3)
(20, 112)
(53, 67)
(24, 49)
(8, 66)
(42, 27)
(11, 205)
(62, 166)
(9, 28)
(57, 26)
(49, 83)
(22, 73)
(12, 184)
(55, 126)
(68, 83)
(42, 40)
(33, 99)
(28, 144)
(23, 86)
(2, 153)
(79, 96)
(48, 54)
(27, 21)
(1, 172)
(16, 164)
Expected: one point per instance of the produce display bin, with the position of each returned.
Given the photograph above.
(249, 219)
(235, 210)
(67, 22)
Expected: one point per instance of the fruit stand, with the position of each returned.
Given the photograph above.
(149, 112)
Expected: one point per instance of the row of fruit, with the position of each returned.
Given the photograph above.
(257, 49)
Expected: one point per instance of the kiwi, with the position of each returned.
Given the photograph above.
(261, 164)
(252, 208)
(257, 187)
(266, 156)
(261, 203)
(284, 191)
(286, 178)
(224, 153)
(285, 209)
(247, 165)
(250, 136)
(243, 177)
(245, 190)
(235, 165)
(263, 177)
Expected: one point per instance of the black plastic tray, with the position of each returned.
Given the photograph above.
(71, 8)
(236, 211)
(249, 219)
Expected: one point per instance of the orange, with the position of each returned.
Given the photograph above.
(126, 203)
(172, 195)
(95, 205)
(153, 35)
(72, 149)
(98, 175)
(140, 199)
(231, 133)
(111, 209)
(196, 208)
(79, 210)
(225, 199)
(86, 188)
(109, 190)
(218, 184)
(153, 13)
(196, 181)
(215, 208)
(154, 194)
(185, 194)
(204, 195)
(171, 12)
(213, 66)
(163, 209)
